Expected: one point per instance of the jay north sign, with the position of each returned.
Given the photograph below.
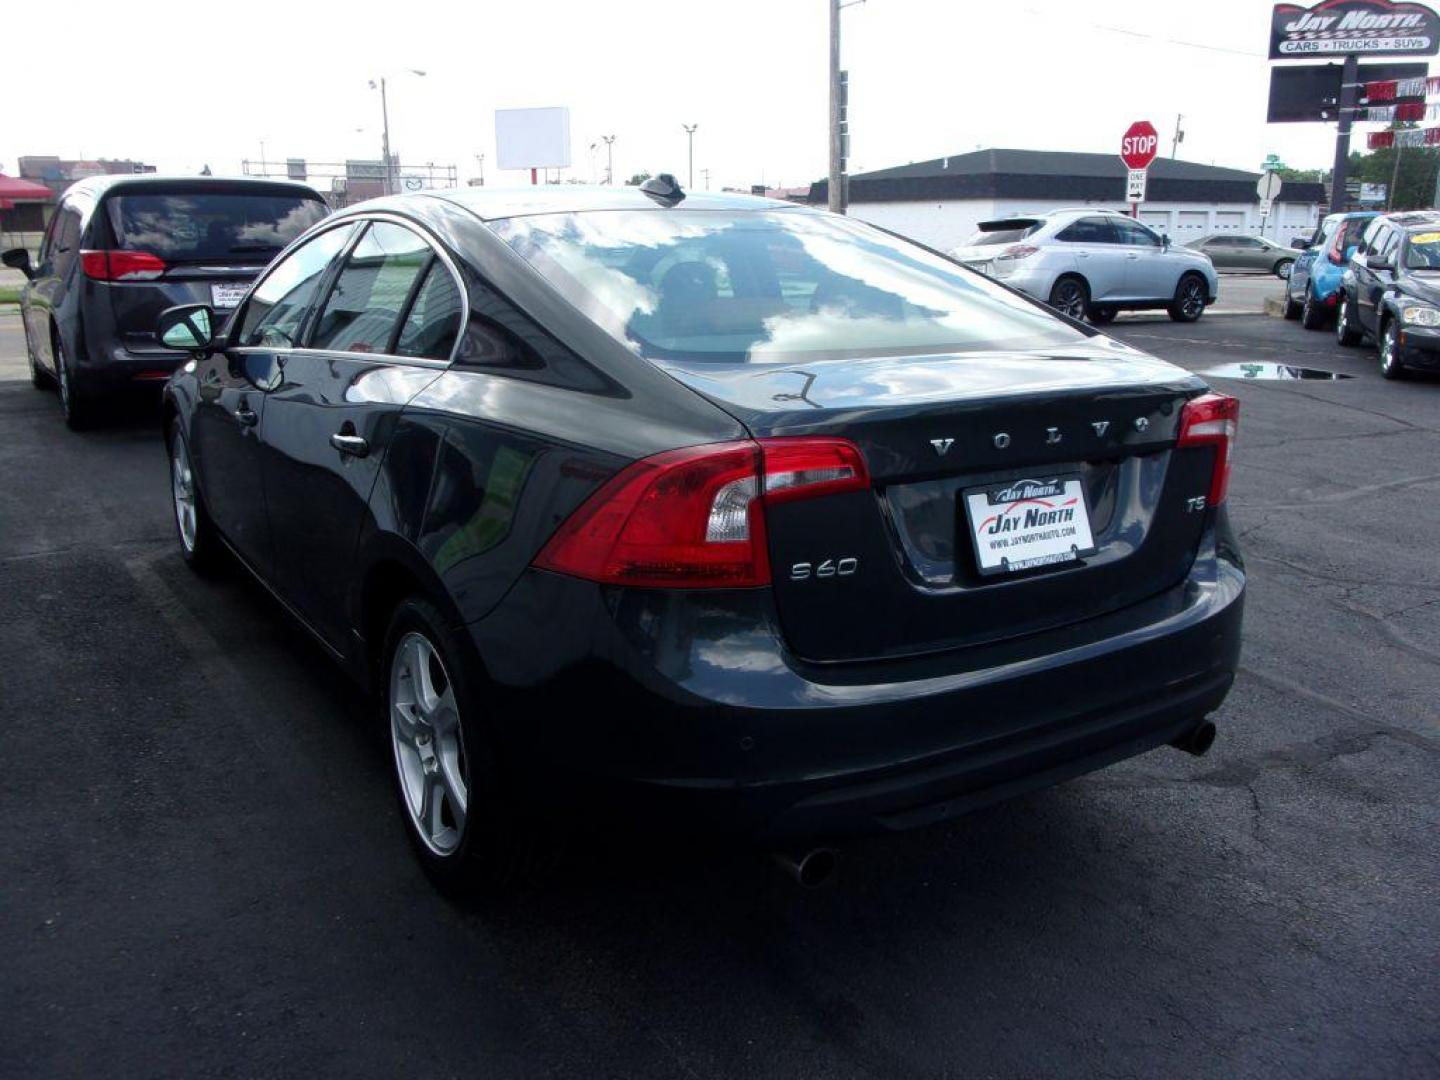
(1340, 27)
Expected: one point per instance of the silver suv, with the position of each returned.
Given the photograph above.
(1090, 263)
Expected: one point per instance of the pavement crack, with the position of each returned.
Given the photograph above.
(1338, 579)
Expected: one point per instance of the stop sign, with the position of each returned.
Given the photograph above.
(1137, 148)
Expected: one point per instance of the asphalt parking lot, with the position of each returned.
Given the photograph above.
(204, 873)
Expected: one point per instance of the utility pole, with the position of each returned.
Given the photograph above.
(1394, 178)
(1179, 136)
(690, 133)
(385, 138)
(481, 159)
(836, 200)
(1349, 91)
(706, 173)
(609, 141)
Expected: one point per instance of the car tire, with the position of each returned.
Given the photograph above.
(77, 409)
(200, 545)
(1312, 315)
(1070, 296)
(38, 379)
(455, 798)
(1189, 302)
(1391, 366)
(1102, 314)
(1292, 306)
(1346, 327)
(1282, 269)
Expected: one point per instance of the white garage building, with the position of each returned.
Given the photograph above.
(940, 202)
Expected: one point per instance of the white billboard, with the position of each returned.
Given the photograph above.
(533, 138)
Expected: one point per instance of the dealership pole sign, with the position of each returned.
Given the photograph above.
(1353, 27)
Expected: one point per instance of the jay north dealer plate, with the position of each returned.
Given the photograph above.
(1022, 524)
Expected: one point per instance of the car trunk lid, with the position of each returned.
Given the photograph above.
(1099, 419)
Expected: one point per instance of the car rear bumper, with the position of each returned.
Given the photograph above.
(109, 366)
(686, 708)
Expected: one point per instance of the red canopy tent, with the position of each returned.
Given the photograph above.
(13, 188)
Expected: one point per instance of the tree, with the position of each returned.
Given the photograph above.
(638, 179)
(1415, 180)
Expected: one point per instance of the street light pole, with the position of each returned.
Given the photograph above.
(385, 161)
(385, 136)
(835, 201)
(690, 133)
(609, 141)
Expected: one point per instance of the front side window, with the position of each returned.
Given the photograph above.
(1090, 230)
(1134, 234)
(363, 309)
(782, 286)
(278, 305)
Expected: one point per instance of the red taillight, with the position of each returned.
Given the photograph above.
(1017, 251)
(1336, 254)
(694, 518)
(121, 265)
(1212, 420)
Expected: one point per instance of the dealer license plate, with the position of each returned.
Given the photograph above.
(227, 295)
(1023, 524)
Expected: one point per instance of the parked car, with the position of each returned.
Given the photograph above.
(1392, 292)
(1090, 263)
(121, 249)
(1312, 290)
(1246, 253)
(711, 508)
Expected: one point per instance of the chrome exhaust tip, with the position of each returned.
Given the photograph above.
(811, 868)
(1197, 740)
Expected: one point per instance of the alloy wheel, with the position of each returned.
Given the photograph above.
(62, 378)
(1283, 270)
(1342, 322)
(429, 745)
(1070, 299)
(182, 487)
(1389, 353)
(1192, 300)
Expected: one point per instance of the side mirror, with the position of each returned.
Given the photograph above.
(1380, 262)
(19, 259)
(1300, 244)
(189, 326)
(1164, 240)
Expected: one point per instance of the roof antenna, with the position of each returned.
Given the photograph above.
(664, 189)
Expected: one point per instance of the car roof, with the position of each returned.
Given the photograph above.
(105, 185)
(493, 203)
(1415, 220)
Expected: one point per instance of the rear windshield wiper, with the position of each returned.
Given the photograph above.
(245, 249)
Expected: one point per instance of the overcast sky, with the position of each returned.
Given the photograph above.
(185, 85)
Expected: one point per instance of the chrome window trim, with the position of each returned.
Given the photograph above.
(390, 358)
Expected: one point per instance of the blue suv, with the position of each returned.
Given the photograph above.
(1313, 288)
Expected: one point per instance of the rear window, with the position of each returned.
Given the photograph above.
(1001, 232)
(770, 287)
(210, 225)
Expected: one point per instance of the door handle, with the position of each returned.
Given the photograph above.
(246, 416)
(1132, 255)
(1082, 254)
(354, 445)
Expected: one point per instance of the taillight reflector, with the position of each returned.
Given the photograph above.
(1212, 420)
(694, 518)
(121, 265)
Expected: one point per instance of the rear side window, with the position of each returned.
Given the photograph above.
(206, 226)
(363, 309)
(278, 305)
(1090, 230)
(433, 321)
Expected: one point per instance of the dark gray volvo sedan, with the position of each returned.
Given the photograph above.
(709, 509)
